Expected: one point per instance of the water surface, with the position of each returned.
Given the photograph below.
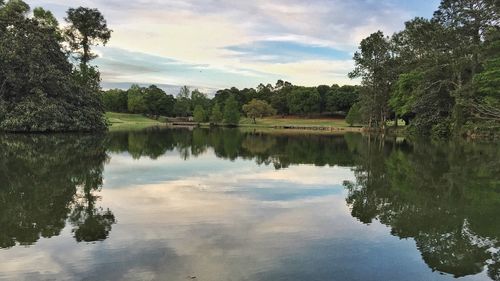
(203, 204)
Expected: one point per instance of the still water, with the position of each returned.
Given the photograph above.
(164, 204)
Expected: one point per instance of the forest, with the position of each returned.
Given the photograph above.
(282, 99)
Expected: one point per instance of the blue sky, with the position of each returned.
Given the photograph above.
(212, 44)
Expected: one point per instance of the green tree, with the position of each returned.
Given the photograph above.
(304, 101)
(375, 66)
(154, 101)
(199, 98)
(12, 11)
(199, 114)
(86, 27)
(136, 102)
(354, 115)
(40, 94)
(115, 100)
(231, 111)
(258, 109)
(323, 94)
(182, 105)
(341, 98)
(45, 17)
(216, 116)
(486, 106)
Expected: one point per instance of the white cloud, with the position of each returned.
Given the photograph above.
(199, 32)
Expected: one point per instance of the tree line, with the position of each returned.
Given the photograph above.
(441, 75)
(228, 105)
(42, 89)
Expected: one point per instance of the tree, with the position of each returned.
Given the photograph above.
(258, 109)
(153, 100)
(115, 100)
(231, 111)
(216, 116)
(136, 103)
(40, 94)
(487, 105)
(304, 101)
(354, 115)
(182, 105)
(199, 98)
(341, 98)
(87, 27)
(469, 20)
(375, 66)
(166, 107)
(12, 11)
(323, 92)
(45, 17)
(199, 114)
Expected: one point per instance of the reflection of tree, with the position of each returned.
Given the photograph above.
(90, 223)
(39, 178)
(280, 150)
(446, 197)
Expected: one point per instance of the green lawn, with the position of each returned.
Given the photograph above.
(125, 121)
(299, 122)
(130, 121)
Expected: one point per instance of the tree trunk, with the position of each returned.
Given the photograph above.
(86, 51)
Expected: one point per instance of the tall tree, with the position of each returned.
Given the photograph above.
(45, 17)
(199, 114)
(87, 27)
(216, 116)
(182, 105)
(231, 111)
(375, 66)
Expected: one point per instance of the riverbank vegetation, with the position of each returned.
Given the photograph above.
(441, 75)
(41, 90)
(283, 101)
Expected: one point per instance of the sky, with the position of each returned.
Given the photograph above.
(214, 44)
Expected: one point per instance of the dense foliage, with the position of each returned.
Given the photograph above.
(283, 99)
(40, 90)
(440, 75)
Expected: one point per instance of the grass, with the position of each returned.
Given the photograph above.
(126, 121)
(295, 122)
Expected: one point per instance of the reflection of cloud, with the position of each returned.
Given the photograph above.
(208, 170)
(200, 219)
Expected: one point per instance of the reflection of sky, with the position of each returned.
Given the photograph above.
(222, 220)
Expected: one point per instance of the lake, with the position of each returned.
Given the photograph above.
(225, 204)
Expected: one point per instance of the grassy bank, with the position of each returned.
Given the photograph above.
(295, 121)
(300, 124)
(126, 121)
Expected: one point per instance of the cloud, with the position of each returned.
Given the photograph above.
(240, 43)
